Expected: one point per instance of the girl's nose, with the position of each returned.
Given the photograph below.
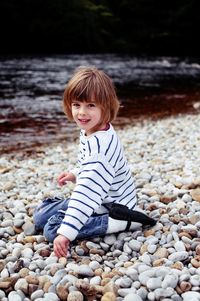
(82, 110)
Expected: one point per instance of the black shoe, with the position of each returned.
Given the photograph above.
(121, 212)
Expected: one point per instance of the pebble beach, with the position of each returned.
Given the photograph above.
(157, 263)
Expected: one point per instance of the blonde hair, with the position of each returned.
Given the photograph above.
(92, 85)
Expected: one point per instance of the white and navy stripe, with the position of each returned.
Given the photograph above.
(104, 176)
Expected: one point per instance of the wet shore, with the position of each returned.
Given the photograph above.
(31, 91)
(23, 133)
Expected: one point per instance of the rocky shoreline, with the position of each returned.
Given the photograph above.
(159, 263)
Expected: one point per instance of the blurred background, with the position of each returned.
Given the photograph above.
(150, 48)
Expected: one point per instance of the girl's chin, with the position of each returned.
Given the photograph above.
(84, 127)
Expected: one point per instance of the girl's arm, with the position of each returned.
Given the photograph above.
(93, 184)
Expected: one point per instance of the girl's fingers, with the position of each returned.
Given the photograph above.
(60, 247)
(60, 251)
(61, 175)
(62, 181)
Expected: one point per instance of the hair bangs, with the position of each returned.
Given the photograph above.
(88, 90)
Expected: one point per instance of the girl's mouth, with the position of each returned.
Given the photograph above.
(83, 121)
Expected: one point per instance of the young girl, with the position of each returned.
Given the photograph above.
(102, 176)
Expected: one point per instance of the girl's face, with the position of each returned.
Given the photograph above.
(87, 115)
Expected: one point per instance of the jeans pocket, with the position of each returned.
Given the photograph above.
(51, 200)
(56, 219)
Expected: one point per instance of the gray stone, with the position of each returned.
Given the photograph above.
(110, 239)
(170, 281)
(132, 273)
(142, 292)
(124, 282)
(190, 296)
(29, 228)
(18, 222)
(135, 245)
(125, 291)
(151, 248)
(14, 296)
(27, 253)
(179, 246)
(84, 270)
(51, 296)
(37, 294)
(94, 265)
(153, 283)
(163, 293)
(178, 256)
(131, 297)
(95, 280)
(146, 275)
(2, 294)
(58, 276)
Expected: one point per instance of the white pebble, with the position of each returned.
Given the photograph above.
(189, 296)
(13, 296)
(154, 282)
(178, 256)
(95, 280)
(131, 297)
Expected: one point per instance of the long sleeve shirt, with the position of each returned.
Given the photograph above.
(103, 177)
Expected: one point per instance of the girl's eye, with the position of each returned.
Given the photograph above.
(75, 104)
(91, 105)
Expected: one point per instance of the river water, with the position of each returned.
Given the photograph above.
(31, 91)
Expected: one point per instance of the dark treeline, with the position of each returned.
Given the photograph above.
(139, 27)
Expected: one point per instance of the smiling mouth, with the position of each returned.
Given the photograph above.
(84, 120)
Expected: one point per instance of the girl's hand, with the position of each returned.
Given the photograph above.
(60, 245)
(65, 177)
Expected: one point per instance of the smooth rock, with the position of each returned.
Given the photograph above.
(135, 245)
(110, 239)
(170, 281)
(132, 297)
(37, 294)
(126, 291)
(154, 282)
(178, 256)
(109, 296)
(14, 296)
(75, 296)
(190, 296)
(51, 296)
(179, 246)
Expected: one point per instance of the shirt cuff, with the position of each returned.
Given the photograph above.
(68, 232)
(75, 171)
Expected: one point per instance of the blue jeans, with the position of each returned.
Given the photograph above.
(49, 214)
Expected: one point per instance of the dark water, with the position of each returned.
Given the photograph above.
(31, 91)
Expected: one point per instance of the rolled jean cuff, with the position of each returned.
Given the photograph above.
(96, 226)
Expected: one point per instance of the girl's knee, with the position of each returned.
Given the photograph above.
(49, 233)
(39, 219)
(52, 225)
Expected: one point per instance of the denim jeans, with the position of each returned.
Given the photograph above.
(49, 214)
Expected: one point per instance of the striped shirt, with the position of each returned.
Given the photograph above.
(103, 177)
